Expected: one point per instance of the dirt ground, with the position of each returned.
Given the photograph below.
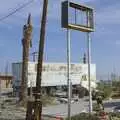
(9, 110)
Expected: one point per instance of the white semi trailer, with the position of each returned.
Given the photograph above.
(54, 75)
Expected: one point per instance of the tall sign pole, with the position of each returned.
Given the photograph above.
(89, 63)
(89, 70)
(68, 70)
(68, 74)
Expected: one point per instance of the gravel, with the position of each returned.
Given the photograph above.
(10, 111)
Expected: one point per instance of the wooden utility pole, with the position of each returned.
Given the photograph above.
(35, 56)
(26, 42)
(6, 73)
(36, 105)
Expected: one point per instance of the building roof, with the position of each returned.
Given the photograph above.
(6, 77)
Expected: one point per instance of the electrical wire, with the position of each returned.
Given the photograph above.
(16, 10)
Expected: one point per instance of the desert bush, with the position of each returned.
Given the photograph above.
(96, 116)
(47, 100)
(84, 116)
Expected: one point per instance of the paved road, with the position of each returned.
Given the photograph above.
(110, 104)
(78, 107)
(61, 110)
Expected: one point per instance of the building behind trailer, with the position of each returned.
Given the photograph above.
(54, 75)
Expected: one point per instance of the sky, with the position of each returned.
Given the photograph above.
(105, 45)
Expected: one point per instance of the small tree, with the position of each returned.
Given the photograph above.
(105, 88)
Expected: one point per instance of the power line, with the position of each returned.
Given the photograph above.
(16, 10)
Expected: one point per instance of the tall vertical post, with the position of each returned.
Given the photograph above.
(34, 109)
(68, 74)
(38, 104)
(89, 63)
(6, 73)
(89, 71)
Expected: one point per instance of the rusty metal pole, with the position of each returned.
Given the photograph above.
(38, 104)
(26, 42)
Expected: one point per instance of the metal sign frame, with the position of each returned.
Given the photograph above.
(66, 5)
(88, 27)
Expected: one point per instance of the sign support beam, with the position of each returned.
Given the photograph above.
(89, 71)
(68, 74)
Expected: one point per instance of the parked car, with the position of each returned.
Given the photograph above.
(65, 100)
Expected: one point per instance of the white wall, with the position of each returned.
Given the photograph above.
(55, 74)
